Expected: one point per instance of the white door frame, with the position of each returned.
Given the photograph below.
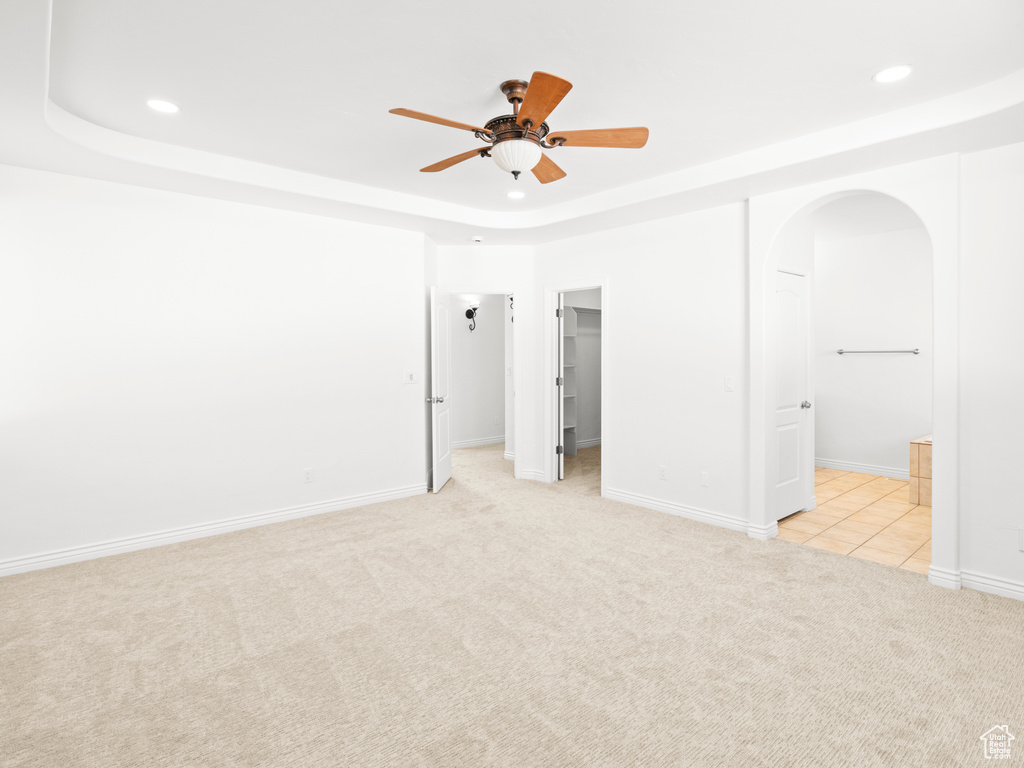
(516, 357)
(930, 188)
(551, 342)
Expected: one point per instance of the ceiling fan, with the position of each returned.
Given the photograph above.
(515, 141)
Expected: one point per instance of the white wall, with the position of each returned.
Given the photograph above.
(872, 292)
(171, 362)
(478, 371)
(992, 366)
(674, 327)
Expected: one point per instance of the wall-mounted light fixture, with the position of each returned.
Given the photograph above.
(471, 315)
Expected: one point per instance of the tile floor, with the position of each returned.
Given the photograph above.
(864, 516)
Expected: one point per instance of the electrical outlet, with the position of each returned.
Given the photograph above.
(662, 472)
(1020, 538)
(307, 475)
(705, 478)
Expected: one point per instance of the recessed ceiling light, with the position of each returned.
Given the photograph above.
(892, 74)
(163, 106)
(516, 195)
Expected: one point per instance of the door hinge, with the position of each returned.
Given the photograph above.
(559, 381)
(559, 313)
(558, 450)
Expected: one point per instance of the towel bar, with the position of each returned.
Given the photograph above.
(878, 351)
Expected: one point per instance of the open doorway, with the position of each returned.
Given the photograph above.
(480, 369)
(578, 388)
(854, 391)
(472, 400)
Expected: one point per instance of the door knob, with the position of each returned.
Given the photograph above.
(439, 399)
(805, 404)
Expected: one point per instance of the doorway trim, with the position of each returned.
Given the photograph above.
(930, 189)
(517, 341)
(551, 367)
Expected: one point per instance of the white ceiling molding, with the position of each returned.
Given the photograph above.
(36, 132)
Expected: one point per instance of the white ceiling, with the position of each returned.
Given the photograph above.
(306, 85)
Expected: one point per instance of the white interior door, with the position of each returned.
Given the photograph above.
(794, 423)
(440, 386)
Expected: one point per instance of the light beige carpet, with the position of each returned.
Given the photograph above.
(500, 623)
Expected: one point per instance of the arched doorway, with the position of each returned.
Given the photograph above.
(855, 382)
(781, 224)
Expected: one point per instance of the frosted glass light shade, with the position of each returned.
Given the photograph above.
(516, 155)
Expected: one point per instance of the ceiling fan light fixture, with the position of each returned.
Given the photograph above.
(516, 155)
(515, 141)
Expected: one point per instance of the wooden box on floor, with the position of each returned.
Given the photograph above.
(921, 471)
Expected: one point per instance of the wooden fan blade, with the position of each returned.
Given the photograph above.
(432, 119)
(452, 161)
(627, 138)
(546, 170)
(542, 96)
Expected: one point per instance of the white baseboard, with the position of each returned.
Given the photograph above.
(942, 577)
(866, 469)
(456, 444)
(659, 505)
(533, 474)
(992, 584)
(588, 443)
(763, 532)
(145, 541)
(509, 456)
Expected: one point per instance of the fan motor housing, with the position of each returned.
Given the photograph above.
(506, 128)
